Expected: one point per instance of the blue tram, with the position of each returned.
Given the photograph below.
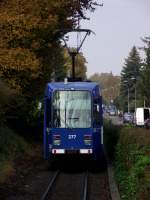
(73, 121)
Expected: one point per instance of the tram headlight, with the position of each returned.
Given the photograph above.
(56, 140)
(87, 139)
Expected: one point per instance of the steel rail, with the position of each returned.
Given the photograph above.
(50, 185)
(85, 189)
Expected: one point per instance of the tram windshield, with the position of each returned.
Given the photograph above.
(71, 109)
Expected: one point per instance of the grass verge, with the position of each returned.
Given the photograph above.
(132, 163)
(12, 147)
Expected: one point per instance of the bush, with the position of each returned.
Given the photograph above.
(111, 133)
(5, 97)
(132, 163)
(12, 147)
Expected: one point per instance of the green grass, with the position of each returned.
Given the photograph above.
(12, 147)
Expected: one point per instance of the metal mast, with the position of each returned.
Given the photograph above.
(74, 52)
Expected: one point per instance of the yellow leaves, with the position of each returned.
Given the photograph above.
(19, 29)
(18, 66)
(110, 84)
(21, 22)
(27, 33)
(18, 59)
(18, 22)
(80, 64)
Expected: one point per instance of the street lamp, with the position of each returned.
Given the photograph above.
(128, 100)
(126, 83)
(142, 68)
(133, 78)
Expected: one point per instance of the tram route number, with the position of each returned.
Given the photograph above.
(72, 137)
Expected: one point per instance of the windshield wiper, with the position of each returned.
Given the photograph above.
(74, 118)
(70, 118)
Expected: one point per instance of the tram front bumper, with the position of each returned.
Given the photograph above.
(64, 151)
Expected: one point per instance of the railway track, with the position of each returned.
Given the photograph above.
(49, 187)
(77, 186)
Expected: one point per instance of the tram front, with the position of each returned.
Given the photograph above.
(71, 130)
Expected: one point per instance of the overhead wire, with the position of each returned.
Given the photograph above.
(78, 33)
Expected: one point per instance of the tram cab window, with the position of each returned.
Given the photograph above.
(72, 109)
(96, 111)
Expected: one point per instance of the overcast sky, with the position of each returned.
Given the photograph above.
(118, 25)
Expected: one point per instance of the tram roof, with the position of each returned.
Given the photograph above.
(74, 85)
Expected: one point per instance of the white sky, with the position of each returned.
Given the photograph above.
(118, 25)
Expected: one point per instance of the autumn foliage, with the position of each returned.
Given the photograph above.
(30, 48)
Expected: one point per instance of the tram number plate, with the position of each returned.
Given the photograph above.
(72, 137)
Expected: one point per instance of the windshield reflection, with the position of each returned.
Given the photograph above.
(72, 109)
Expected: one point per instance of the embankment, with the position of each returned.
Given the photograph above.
(129, 150)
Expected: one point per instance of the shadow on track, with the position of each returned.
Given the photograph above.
(77, 164)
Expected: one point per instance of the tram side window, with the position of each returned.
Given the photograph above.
(48, 113)
(96, 112)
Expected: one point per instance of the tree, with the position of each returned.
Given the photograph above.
(80, 65)
(144, 82)
(129, 78)
(109, 83)
(29, 37)
(30, 48)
